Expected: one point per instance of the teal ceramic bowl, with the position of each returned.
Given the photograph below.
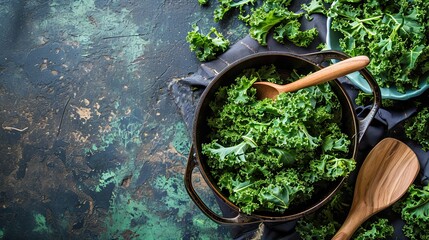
(332, 41)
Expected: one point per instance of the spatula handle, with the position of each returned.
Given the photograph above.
(329, 73)
(354, 219)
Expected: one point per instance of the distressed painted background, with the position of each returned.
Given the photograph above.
(91, 144)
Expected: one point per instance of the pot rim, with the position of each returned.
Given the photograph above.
(198, 155)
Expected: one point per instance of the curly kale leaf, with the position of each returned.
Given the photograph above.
(315, 6)
(329, 168)
(242, 92)
(377, 229)
(276, 15)
(291, 31)
(336, 140)
(206, 47)
(414, 210)
(310, 230)
(282, 190)
(226, 5)
(229, 155)
(417, 128)
(267, 72)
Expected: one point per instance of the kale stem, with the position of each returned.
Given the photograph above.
(240, 3)
(369, 19)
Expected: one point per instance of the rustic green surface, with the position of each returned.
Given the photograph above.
(91, 144)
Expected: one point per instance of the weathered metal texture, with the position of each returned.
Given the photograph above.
(91, 145)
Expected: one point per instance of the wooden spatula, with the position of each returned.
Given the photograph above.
(385, 176)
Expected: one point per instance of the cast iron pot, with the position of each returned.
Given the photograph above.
(285, 62)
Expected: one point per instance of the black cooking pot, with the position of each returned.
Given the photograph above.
(285, 62)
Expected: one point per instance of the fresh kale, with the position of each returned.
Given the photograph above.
(394, 34)
(203, 2)
(291, 31)
(268, 155)
(226, 5)
(206, 47)
(380, 228)
(276, 15)
(417, 128)
(315, 6)
(414, 210)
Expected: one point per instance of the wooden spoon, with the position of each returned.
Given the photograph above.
(342, 68)
(385, 176)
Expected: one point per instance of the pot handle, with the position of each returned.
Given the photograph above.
(319, 57)
(240, 218)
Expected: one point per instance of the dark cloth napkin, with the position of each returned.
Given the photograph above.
(387, 123)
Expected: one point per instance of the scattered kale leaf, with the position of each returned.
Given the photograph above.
(378, 228)
(261, 17)
(275, 15)
(291, 31)
(417, 128)
(206, 47)
(315, 6)
(414, 210)
(227, 5)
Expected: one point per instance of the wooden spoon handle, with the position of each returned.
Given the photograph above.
(355, 218)
(326, 74)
